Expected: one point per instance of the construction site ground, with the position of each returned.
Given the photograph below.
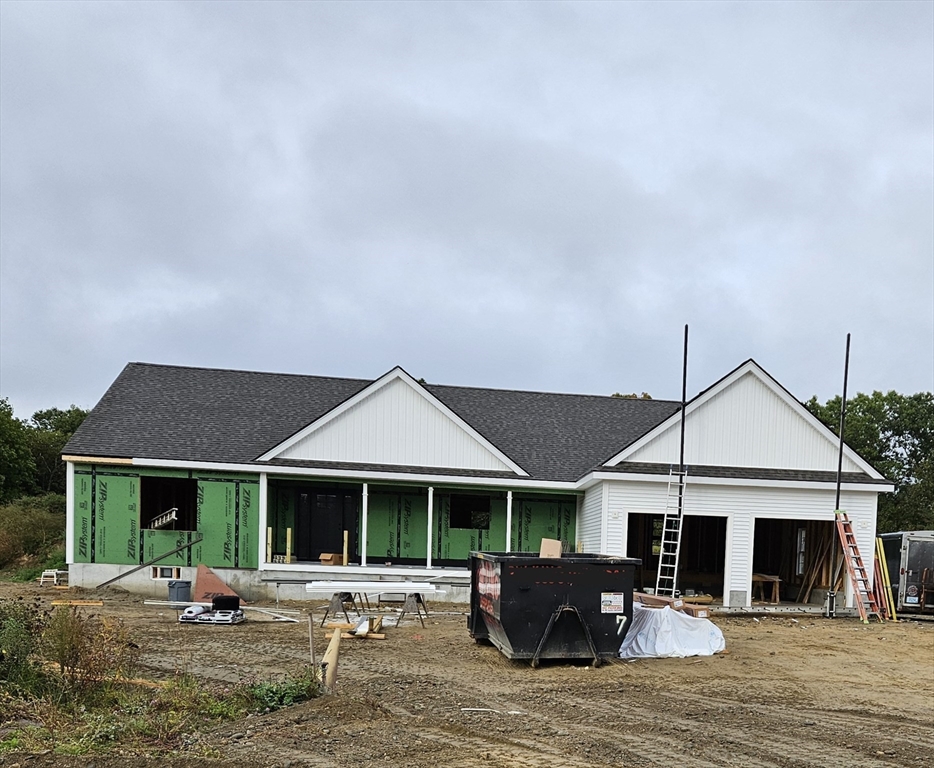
(791, 691)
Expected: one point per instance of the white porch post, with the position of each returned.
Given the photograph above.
(364, 513)
(508, 521)
(70, 512)
(431, 509)
(263, 517)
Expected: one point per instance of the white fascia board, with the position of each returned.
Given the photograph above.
(743, 481)
(750, 366)
(362, 476)
(395, 374)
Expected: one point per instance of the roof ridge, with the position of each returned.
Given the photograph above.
(545, 392)
(370, 381)
(252, 373)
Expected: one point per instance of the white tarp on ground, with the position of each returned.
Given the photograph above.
(664, 633)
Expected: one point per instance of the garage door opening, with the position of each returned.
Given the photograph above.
(798, 554)
(702, 558)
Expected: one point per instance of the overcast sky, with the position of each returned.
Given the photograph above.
(517, 195)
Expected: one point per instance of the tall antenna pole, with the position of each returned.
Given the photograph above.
(846, 373)
(684, 397)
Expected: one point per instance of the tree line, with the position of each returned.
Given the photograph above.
(31, 450)
(895, 434)
(892, 431)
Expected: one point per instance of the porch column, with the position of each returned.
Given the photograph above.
(431, 510)
(263, 518)
(69, 512)
(364, 514)
(508, 521)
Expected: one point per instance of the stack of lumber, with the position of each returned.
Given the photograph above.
(675, 603)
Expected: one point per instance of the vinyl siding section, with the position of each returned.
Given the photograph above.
(742, 505)
(746, 425)
(590, 524)
(395, 425)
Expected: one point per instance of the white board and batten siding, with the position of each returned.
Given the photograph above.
(742, 505)
(748, 423)
(396, 424)
(591, 519)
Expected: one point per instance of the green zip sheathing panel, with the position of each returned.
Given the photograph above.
(397, 526)
(107, 519)
(458, 543)
(537, 519)
(397, 523)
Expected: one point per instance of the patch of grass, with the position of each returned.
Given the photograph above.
(33, 526)
(65, 685)
(56, 561)
(284, 692)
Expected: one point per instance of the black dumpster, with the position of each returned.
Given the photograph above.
(576, 606)
(180, 591)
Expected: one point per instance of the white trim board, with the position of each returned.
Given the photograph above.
(361, 475)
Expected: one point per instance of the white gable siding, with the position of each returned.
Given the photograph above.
(746, 425)
(395, 425)
(590, 522)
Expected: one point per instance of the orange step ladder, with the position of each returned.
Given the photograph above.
(859, 577)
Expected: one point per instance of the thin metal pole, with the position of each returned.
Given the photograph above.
(684, 397)
(846, 373)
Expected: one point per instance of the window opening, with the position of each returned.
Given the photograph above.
(168, 503)
(469, 511)
(166, 572)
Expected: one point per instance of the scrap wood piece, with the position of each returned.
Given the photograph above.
(352, 636)
(329, 662)
(77, 602)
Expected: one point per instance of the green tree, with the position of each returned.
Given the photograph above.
(48, 431)
(17, 466)
(894, 433)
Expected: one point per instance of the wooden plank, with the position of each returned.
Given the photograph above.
(351, 636)
(97, 460)
(77, 602)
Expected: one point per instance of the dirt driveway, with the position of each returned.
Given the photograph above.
(789, 692)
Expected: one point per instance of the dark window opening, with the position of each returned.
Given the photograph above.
(471, 512)
(168, 503)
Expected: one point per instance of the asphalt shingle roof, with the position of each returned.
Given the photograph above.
(204, 414)
(199, 414)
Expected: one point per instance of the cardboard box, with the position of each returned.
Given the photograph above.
(657, 600)
(550, 548)
(331, 558)
(697, 611)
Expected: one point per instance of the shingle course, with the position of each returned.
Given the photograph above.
(199, 414)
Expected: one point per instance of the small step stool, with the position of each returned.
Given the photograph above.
(53, 577)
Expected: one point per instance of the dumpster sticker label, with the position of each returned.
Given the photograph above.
(488, 587)
(612, 602)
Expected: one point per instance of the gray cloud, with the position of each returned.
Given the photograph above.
(515, 195)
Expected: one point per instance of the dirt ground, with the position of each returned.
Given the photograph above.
(789, 692)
